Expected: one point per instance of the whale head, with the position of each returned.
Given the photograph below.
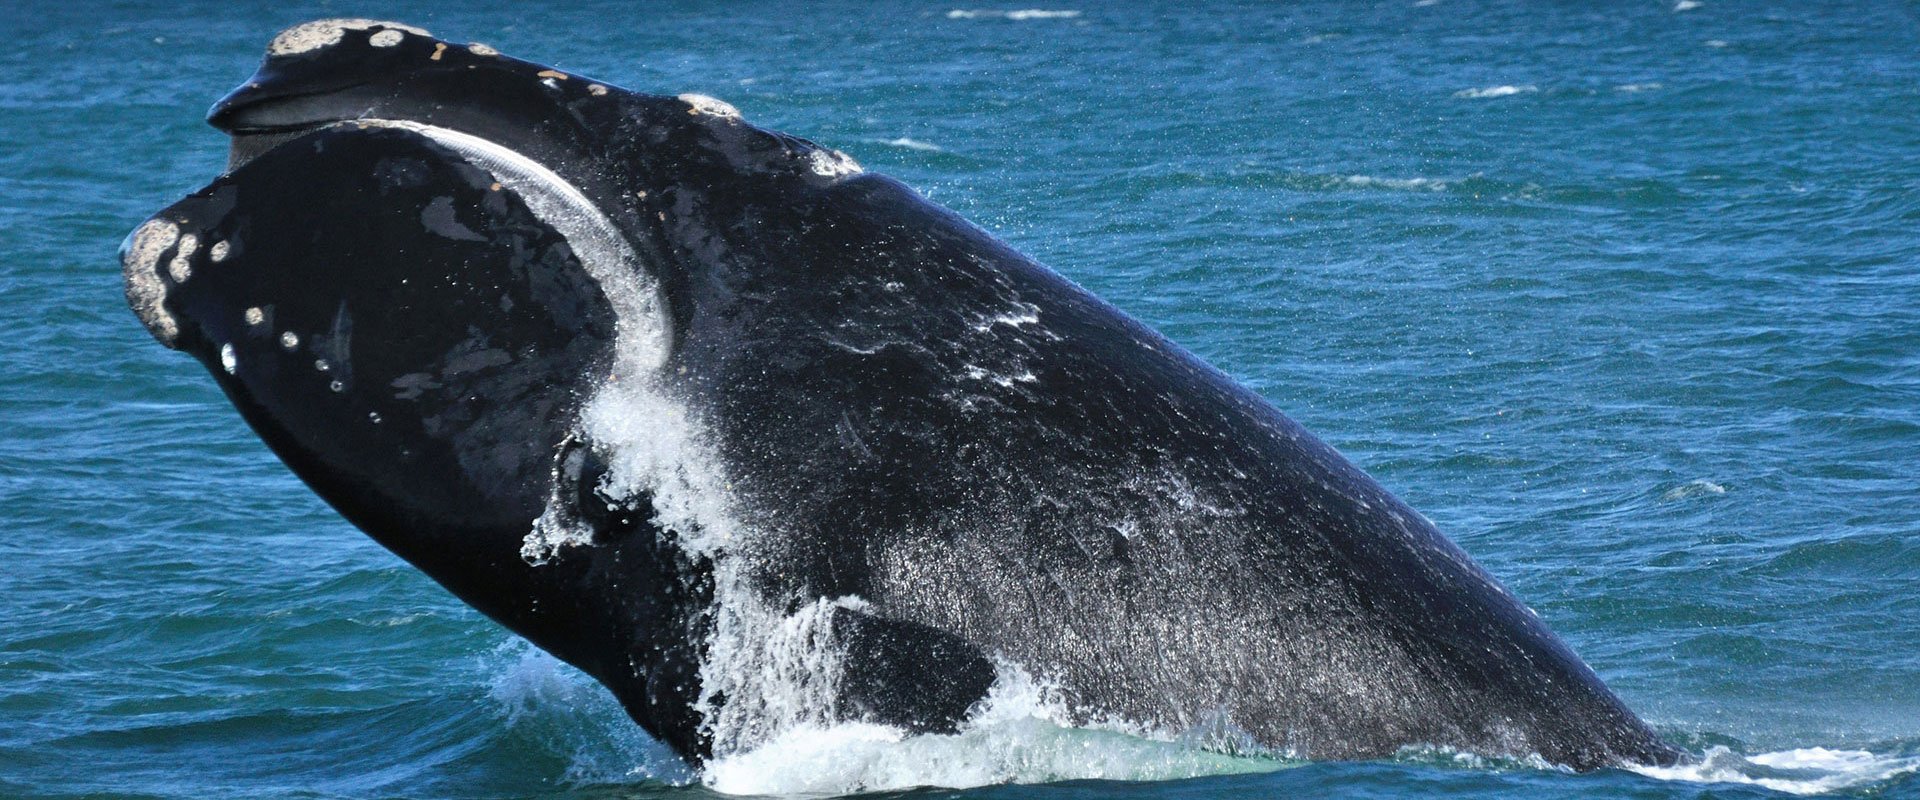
(435, 247)
(422, 259)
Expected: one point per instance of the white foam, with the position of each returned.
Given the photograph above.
(1495, 91)
(1639, 87)
(1017, 15)
(1807, 770)
(1016, 737)
(1686, 5)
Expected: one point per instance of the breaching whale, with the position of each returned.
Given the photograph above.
(757, 439)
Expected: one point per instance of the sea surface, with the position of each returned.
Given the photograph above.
(1624, 296)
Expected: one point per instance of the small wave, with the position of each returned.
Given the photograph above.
(1694, 488)
(1495, 91)
(557, 709)
(1638, 87)
(1718, 43)
(1686, 5)
(1807, 770)
(910, 144)
(1411, 184)
(1016, 15)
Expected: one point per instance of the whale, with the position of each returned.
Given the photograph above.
(758, 439)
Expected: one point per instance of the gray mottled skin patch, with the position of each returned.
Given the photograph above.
(310, 36)
(146, 293)
(386, 38)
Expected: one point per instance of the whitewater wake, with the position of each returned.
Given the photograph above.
(1016, 738)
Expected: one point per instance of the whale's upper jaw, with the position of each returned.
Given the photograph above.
(308, 65)
(340, 70)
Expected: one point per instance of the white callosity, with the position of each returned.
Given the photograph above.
(181, 267)
(709, 106)
(146, 293)
(310, 36)
(832, 163)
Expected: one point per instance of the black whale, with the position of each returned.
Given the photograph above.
(760, 403)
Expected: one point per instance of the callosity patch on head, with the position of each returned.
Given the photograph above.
(146, 292)
(829, 163)
(310, 36)
(700, 104)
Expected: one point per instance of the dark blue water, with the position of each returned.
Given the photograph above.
(1625, 297)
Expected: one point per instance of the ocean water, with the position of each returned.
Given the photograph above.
(1624, 296)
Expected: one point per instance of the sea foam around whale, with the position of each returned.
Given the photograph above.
(1017, 738)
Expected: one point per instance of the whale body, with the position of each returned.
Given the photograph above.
(758, 439)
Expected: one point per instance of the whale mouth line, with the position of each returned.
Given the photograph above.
(247, 146)
(254, 109)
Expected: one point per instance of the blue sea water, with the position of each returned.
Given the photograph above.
(1624, 296)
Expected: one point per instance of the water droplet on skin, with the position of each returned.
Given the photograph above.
(374, 417)
(289, 340)
(228, 360)
(337, 386)
(255, 316)
(321, 364)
